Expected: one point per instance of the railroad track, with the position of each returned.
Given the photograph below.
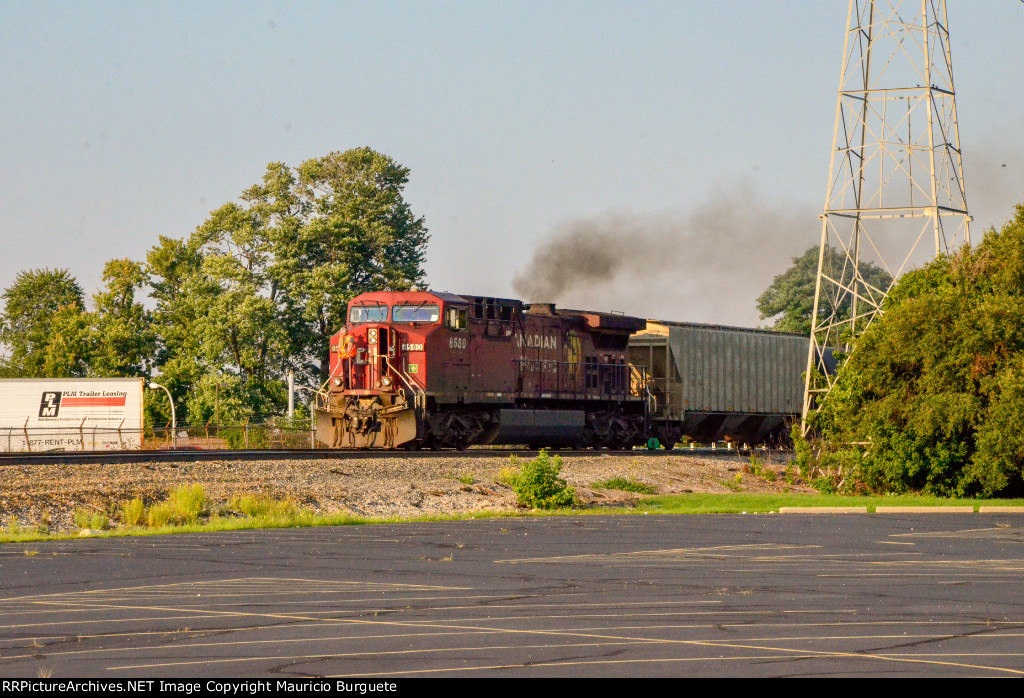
(200, 455)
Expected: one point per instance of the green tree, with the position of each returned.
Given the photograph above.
(42, 326)
(261, 285)
(170, 265)
(69, 351)
(790, 297)
(123, 342)
(935, 386)
(358, 234)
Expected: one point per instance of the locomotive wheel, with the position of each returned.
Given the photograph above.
(616, 437)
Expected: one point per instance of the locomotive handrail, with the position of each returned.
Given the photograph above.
(323, 392)
(576, 379)
(641, 379)
(407, 379)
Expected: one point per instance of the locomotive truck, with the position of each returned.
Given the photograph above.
(418, 369)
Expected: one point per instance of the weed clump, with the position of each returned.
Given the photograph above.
(760, 469)
(537, 484)
(184, 505)
(132, 513)
(188, 505)
(85, 518)
(256, 507)
(624, 485)
(508, 475)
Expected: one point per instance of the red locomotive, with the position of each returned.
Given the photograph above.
(420, 369)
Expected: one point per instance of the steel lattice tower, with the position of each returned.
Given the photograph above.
(896, 180)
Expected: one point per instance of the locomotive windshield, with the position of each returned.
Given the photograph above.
(367, 313)
(415, 313)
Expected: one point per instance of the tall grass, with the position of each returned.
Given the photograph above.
(624, 484)
(184, 505)
(263, 507)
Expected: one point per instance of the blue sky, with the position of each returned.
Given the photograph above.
(126, 121)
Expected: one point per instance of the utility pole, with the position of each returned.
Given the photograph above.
(895, 194)
(291, 394)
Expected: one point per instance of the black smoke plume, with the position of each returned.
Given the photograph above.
(708, 265)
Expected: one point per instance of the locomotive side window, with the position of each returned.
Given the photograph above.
(415, 313)
(499, 309)
(367, 313)
(455, 319)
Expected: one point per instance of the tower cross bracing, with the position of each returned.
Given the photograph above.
(895, 194)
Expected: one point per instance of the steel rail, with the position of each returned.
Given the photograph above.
(202, 455)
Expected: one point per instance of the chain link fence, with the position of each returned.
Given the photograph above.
(248, 435)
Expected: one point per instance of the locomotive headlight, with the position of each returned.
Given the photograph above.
(385, 382)
(371, 335)
(337, 382)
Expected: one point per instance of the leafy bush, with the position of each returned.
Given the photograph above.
(803, 453)
(537, 484)
(930, 400)
(824, 484)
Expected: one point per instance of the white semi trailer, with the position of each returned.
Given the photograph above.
(70, 414)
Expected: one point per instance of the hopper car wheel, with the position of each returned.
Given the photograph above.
(668, 436)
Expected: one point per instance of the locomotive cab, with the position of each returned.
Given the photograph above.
(376, 391)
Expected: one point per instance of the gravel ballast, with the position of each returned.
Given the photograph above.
(404, 486)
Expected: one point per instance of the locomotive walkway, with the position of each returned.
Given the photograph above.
(812, 595)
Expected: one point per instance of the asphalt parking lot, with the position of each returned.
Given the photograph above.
(739, 595)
